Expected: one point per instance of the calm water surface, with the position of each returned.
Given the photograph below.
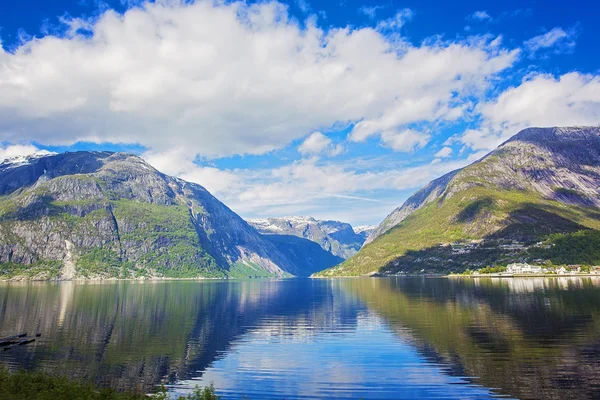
(386, 338)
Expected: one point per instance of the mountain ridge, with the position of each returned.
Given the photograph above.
(539, 182)
(99, 215)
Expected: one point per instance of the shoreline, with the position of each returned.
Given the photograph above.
(521, 275)
(201, 279)
(153, 279)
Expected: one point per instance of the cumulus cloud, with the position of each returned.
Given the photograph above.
(397, 21)
(206, 79)
(370, 11)
(479, 16)
(406, 140)
(314, 144)
(445, 152)
(178, 162)
(317, 143)
(17, 150)
(307, 181)
(556, 38)
(219, 79)
(540, 100)
(440, 79)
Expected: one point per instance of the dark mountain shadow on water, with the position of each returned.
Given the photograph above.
(523, 338)
(137, 335)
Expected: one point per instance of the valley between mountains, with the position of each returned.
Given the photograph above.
(103, 215)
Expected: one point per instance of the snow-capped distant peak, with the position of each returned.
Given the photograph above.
(299, 220)
(25, 159)
(363, 228)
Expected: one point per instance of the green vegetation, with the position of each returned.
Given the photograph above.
(169, 235)
(486, 270)
(99, 261)
(248, 270)
(24, 385)
(474, 213)
(122, 219)
(161, 239)
(582, 247)
(491, 270)
(41, 270)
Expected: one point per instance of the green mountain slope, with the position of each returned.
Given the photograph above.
(540, 186)
(98, 215)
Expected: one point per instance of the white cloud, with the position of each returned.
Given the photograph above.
(540, 100)
(303, 5)
(337, 150)
(353, 190)
(303, 183)
(445, 152)
(443, 77)
(177, 162)
(219, 79)
(16, 150)
(314, 144)
(317, 144)
(557, 37)
(215, 78)
(370, 11)
(406, 140)
(397, 21)
(479, 16)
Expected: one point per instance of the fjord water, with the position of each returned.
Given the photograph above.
(301, 338)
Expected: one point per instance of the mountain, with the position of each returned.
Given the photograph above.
(535, 197)
(365, 231)
(108, 215)
(337, 238)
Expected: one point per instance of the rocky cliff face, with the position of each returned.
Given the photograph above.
(337, 238)
(102, 215)
(543, 181)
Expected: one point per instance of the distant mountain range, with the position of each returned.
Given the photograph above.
(318, 244)
(337, 238)
(535, 197)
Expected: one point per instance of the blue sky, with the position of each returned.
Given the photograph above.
(336, 109)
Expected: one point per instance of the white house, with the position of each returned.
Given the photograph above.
(562, 271)
(523, 268)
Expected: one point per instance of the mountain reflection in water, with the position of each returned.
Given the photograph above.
(301, 338)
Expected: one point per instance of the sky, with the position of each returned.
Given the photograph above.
(332, 109)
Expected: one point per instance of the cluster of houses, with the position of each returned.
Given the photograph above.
(458, 248)
(526, 269)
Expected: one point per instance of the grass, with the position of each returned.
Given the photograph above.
(26, 385)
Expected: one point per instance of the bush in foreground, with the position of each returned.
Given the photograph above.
(25, 385)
